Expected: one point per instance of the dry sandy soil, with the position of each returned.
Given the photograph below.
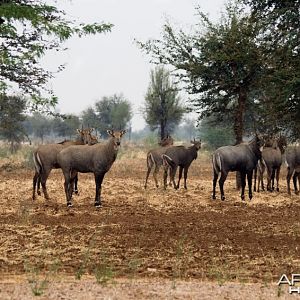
(145, 244)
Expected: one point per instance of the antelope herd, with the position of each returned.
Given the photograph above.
(87, 155)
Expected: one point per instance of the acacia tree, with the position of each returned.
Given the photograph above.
(162, 108)
(220, 64)
(279, 39)
(28, 29)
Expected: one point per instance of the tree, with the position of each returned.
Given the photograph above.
(220, 64)
(216, 135)
(67, 127)
(41, 125)
(12, 115)
(112, 112)
(279, 40)
(162, 108)
(28, 29)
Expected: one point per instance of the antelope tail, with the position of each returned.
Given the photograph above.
(150, 160)
(167, 160)
(37, 162)
(216, 161)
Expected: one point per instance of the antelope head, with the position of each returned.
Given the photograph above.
(116, 135)
(86, 136)
(197, 144)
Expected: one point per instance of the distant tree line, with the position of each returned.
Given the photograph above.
(16, 125)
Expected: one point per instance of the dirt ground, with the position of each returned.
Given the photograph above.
(145, 244)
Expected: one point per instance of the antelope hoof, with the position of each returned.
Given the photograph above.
(39, 193)
(213, 197)
(250, 197)
(157, 186)
(69, 204)
(97, 205)
(76, 192)
(277, 190)
(222, 197)
(243, 197)
(297, 192)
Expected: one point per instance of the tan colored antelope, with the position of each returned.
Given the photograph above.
(45, 159)
(96, 159)
(154, 158)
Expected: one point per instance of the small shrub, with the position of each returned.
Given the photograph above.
(39, 283)
(103, 271)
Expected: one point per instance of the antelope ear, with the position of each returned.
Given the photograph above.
(92, 129)
(110, 132)
(123, 132)
(78, 130)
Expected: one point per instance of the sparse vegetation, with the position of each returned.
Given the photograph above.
(38, 278)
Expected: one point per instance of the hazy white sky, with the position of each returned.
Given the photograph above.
(106, 64)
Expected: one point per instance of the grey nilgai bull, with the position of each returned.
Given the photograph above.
(154, 158)
(179, 156)
(242, 158)
(271, 160)
(45, 159)
(293, 166)
(96, 159)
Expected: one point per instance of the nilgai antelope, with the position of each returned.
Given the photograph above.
(242, 158)
(293, 165)
(45, 159)
(96, 159)
(154, 158)
(271, 160)
(179, 156)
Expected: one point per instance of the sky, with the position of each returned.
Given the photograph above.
(111, 63)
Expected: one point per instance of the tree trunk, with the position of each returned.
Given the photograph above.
(163, 117)
(239, 116)
(239, 126)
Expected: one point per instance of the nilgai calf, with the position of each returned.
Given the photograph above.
(293, 165)
(45, 159)
(182, 157)
(271, 160)
(96, 159)
(154, 158)
(242, 158)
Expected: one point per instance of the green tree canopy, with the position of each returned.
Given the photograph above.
(28, 29)
(41, 125)
(162, 107)
(220, 64)
(67, 127)
(12, 115)
(279, 40)
(112, 112)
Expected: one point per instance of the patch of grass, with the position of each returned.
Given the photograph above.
(218, 272)
(104, 271)
(82, 267)
(133, 266)
(183, 256)
(39, 280)
(85, 260)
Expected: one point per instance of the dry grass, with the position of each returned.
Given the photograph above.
(179, 235)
